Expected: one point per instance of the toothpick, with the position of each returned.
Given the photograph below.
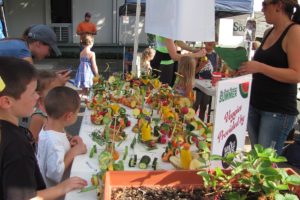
(177, 74)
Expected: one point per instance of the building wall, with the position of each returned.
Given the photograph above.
(102, 16)
(21, 14)
(105, 14)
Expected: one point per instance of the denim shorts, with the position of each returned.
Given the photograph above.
(269, 129)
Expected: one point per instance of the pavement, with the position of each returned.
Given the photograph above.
(106, 67)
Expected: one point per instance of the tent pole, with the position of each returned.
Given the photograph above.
(124, 44)
(135, 67)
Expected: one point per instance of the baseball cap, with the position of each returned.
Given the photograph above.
(88, 14)
(44, 34)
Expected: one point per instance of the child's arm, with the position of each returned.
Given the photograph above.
(61, 189)
(75, 140)
(35, 126)
(94, 64)
(78, 149)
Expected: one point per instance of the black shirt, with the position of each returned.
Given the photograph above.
(268, 94)
(19, 173)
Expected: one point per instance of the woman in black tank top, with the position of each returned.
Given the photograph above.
(276, 72)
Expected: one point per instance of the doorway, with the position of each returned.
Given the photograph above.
(61, 11)
(61, 19)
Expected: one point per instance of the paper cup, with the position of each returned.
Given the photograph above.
(216, 76)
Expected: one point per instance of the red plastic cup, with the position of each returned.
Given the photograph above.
(216, 76)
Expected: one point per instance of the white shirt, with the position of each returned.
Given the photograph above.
(52, 148)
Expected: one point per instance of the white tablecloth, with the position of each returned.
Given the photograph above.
(84, 167)
(205, 86)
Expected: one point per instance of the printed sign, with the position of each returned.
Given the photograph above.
(231, 115)
(187, 20)
(125, 19)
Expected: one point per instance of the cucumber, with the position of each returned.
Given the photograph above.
(132, 161)
(154, 164)
(133, 142)
(189, 139)
(125, 153)
(144, 162)
(93, 151)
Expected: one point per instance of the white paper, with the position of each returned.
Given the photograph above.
(187, 20)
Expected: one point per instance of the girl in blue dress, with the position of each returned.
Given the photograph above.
(87, 68)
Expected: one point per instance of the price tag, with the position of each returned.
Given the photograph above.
(125, 19)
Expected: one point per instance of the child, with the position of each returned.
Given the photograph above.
(204, 70)
(46, 81)
(87, 68)
(209, 63)
(185, 77)
(55, 154)
(128, 60)
(20, 177)
(147, 56)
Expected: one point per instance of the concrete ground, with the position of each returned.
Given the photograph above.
(114, 66)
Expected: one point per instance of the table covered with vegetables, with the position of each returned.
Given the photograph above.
(137, 124)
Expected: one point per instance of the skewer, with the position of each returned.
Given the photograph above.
(177, 74)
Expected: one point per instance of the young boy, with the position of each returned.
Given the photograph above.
(20, 177)
(55, 153)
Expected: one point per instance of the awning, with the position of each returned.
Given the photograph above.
(224, 8)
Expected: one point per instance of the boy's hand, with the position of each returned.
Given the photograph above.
(79, 148)
(75, 140)
(72, 184)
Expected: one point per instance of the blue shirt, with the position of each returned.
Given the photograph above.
(14, 48)
(128, 56)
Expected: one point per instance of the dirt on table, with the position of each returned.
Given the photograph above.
(156, 193)
(170, 193)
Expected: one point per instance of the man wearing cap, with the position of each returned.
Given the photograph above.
(86, 27)
(38, 44)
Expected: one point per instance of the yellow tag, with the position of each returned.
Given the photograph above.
(2, 85)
